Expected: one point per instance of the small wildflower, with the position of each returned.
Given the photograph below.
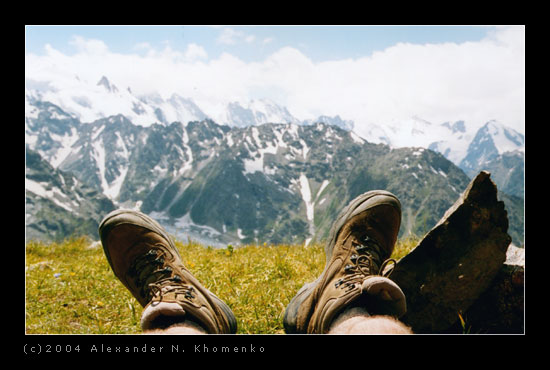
(229, 250)
(56, 275)
(99, 304)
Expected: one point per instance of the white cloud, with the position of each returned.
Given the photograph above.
(230, 36)
(94, 47)
(194, 52)
(474, 81)
(143, 46)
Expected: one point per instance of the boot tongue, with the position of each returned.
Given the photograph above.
(368, 248)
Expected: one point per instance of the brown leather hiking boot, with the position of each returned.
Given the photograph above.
(360, 242)
(146, 261)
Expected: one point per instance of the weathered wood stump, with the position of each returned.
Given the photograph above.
(457, 261)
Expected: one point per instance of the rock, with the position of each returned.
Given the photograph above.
(457, 261)
(500, 309)
(515, 256)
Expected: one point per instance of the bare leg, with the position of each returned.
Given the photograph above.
(168, 318)
(358, 321)
(180, 328)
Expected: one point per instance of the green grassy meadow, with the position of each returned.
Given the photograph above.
(70, 288)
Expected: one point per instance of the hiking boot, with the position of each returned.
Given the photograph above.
(146, 261)
(360, 243)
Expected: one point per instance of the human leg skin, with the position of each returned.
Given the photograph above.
(358, 321)
(179, 328)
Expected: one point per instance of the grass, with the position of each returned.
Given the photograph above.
(70, 288)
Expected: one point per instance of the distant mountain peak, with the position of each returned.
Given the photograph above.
(334, 121)
(107, 85)
(486, 152)
(504, 138)
(256, 112)
(458, 126)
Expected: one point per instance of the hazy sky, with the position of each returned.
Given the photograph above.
(370, 74)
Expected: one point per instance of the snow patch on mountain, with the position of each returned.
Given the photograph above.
(66, 142)
(320, 191)
(303, 185)
(356, 138)
(258, 152)
(45, 190)
(306, 196)
(504, 139)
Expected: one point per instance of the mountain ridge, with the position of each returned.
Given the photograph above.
(57, 204)
(156, 154)
(88, 102)
(272, 182)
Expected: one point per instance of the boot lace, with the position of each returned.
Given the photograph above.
(158, 289)
(154, 279)
(365, 262)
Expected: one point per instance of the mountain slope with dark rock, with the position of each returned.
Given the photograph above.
(273, 182)
(58, 205)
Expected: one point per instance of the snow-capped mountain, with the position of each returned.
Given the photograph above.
(449, 139)
(173, 109)
(101, 155)
(49, 130)
(466, 145)
(491, 140)
(88, 102)
(256, 112)
(57, 204)
(333, 121)
(492, 147)
(276, 182)
(168, 157)
(455, 140)
(501, 151)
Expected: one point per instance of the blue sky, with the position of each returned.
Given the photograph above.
(254, 43)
